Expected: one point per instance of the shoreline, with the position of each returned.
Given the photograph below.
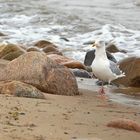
(128, 96)
(82, 117)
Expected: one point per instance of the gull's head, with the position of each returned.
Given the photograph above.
(99, 44)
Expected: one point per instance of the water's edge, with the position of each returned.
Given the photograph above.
(90, 84)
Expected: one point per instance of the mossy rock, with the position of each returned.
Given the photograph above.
(9, 48)
(12, 55)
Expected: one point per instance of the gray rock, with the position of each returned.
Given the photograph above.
(81, 73)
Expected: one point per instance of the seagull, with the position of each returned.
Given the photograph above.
(90, 55)
(104, 69)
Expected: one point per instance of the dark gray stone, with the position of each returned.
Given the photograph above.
(81, 73)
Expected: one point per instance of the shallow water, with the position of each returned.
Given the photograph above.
(79, 21)
(113, 93)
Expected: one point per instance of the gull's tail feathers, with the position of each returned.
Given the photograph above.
(121, 75)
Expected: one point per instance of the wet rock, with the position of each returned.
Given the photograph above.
(90, 55)
(89, 42)
(112, 48)
(68, 62)
(44, 43)
(37, 69)
(20, 89)
(81, 73)
(9, 48)
(33, 49)
(131, 67)
(12, 55)
(65, 39)
(23, 47)
(2, 34)
(51, 50)
(133, 91)
(125, 124)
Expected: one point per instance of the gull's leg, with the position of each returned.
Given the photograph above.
(102, 92)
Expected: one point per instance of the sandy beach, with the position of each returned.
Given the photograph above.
(59, 117)
(71, 27)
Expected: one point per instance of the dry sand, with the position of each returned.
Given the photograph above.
(58, 117)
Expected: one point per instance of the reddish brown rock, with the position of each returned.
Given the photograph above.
(51, 50)
(37, 69)
(125, 124)
(63, 60)
(33, 49)
(112, 48)
(20, 89)
(44, 43)
(131, 67)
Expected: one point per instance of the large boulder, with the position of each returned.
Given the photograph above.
(131, 67)
(37, 69)
(68, 62)
(10, 51)
(20, 89)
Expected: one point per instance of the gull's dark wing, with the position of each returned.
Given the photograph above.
(90, 55)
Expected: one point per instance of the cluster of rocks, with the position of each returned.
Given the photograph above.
(42, 68)
(31, 72)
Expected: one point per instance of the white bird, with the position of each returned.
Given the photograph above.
(104, 69)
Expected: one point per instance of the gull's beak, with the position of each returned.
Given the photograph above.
(93, 45)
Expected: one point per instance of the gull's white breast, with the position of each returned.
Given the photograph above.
(102, 70)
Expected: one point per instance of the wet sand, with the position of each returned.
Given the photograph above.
(58, 117)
